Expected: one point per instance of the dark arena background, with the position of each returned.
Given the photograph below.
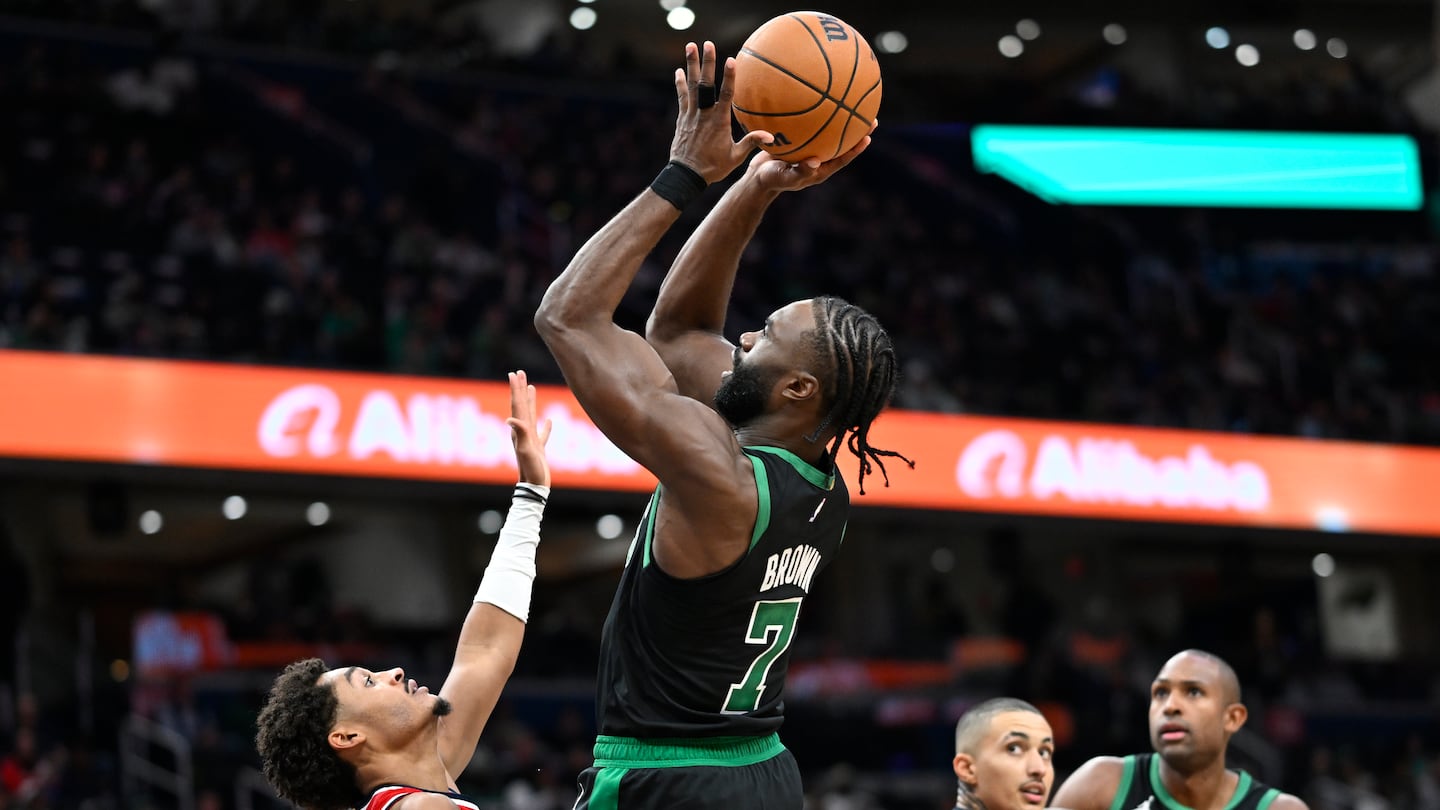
(264, 266)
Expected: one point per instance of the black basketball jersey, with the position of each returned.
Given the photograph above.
(707, 657)
(1141, 789)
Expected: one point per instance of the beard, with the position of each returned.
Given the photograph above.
(441, 708)
(742, 397)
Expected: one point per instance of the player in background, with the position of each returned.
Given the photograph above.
(1195, 709)
(1004, 756)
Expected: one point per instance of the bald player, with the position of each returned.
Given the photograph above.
(1195, 709)
(1003, 756)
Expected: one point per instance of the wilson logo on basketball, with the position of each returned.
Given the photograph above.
(430, 429)
(833, 28)
(998, 464)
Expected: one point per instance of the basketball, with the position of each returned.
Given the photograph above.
(811, 80)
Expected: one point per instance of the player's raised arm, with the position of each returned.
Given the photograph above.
(490, 638)
(618, 378)
(685, 326)
(615, 378)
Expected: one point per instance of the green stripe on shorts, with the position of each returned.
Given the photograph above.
(607, 789)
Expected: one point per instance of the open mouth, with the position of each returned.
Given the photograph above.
(1033, 794)
(1173, 733)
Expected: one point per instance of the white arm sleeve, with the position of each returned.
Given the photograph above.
(511, 572)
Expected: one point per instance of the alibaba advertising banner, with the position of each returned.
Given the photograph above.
(183, 414)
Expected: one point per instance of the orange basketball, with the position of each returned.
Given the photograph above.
(811, 80)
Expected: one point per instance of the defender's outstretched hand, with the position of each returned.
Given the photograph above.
(528, 436)
(703, 138)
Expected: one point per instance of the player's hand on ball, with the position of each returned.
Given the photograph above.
(702, 133)
(775, 174)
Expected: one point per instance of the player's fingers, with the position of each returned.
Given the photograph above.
(543, 433)
(836, 164)
(707, 63)
(727, 87)
(753, 139)
(518, 430)
(705, 89)
(515, 398)
(692, 64)
(682, 89)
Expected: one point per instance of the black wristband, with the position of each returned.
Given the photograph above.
(678, 184)
(522, 491)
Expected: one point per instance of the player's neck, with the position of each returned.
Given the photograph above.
(1209, 788)
(759, 434)
(425, 771)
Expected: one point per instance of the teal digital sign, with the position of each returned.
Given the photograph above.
(1203, 168)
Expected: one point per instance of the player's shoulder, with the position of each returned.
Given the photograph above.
(405, 797)
(1101, 769)
(424, 801)
(1092, 786)
(1285, 801)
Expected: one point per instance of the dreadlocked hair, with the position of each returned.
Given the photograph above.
(292, 728)
(863, 358)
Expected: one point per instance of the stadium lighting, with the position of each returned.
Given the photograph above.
(1304, 39)
(317, 514)
(942, 560)
(583, 18)
(1011, 46)
(892, 42)
(680, 18)
(1114, 33)
(151, 521)
(490, 521)
(234, 507)
(1028, 29)
(1217, 37)
(609, 527)
(1337, 48)
(1247, 55)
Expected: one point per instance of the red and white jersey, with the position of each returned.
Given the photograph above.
(387, 796)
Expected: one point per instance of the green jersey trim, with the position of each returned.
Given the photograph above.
(1127, 775)
(1242, 787)
(650, 516)
(806, 470)
(722, 752)
(1270, 796)
(762, 508)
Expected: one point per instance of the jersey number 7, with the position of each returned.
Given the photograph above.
(773, 625)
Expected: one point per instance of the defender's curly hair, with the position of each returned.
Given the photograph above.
(852, 342)
(291, 738)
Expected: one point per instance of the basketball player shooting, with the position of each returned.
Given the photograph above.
(750, 506)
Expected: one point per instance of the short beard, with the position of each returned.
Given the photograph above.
(441, 708)
(744, 395)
